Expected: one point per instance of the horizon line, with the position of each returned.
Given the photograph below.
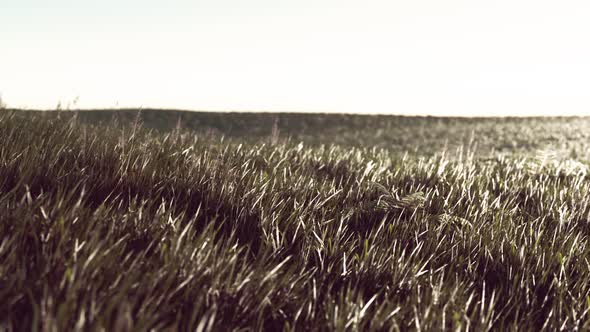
(276, 112)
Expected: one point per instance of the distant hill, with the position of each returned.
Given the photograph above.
(422, 135)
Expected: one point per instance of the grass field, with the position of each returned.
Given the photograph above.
(199, 221)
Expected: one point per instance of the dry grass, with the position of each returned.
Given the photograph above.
(122, 228)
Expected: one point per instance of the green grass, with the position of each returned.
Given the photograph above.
(129, 226)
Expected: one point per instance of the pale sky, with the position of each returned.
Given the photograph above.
(452, 57)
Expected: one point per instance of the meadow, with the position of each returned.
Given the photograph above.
(166, 220)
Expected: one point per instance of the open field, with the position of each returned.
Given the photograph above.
(426, 136)
(187, 221)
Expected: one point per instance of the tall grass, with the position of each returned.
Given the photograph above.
(122, 228)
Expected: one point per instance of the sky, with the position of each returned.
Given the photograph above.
(418, 57)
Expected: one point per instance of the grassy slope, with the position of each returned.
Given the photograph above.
(120, 227)
(417, 135)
